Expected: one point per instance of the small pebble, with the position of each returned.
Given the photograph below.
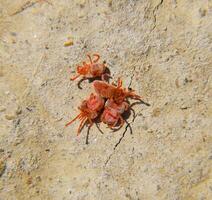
(18, 110)
(13, 33)
(177, 83)
(10, 117)
(110, 3)
(158, 187)
(38, 178)
(2, 109)
(156, 112)
(29, 181)
(13, 41)
(69, 42)
(2, 168)
(18, 141)
(202, 12)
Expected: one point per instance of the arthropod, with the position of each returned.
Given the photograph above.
(89, 110)
(112, 114)
(92, 69)
(111, 91)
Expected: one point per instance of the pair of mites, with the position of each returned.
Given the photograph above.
(108, 103)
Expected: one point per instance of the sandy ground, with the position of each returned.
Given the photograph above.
(162, 47)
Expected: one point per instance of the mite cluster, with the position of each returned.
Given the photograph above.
(108, 103)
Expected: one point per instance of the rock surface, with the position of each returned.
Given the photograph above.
(163, 48)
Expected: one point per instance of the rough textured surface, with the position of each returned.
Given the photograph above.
(163, 47)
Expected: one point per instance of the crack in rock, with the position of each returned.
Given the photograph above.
(131, 78)
(27, 5)
(120, 139)
(154, 14)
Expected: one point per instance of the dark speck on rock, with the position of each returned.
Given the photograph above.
(13, 33)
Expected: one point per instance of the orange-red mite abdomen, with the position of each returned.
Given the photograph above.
(97, 69)
(83, 70)
(103, 89)
(110, 116)
(95, 102)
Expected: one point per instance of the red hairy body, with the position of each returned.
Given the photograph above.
(117, 93)
(89, 110)
(92, 69)
(112, 113)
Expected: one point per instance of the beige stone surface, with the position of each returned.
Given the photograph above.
(163, 47)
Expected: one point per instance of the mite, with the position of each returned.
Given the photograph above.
(112, 114)
(117, 93)
(92, 69)
(89, 110)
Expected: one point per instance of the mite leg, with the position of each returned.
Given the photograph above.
(128, 125)
(87, 136)
(84, 63)
(133, 111)
(90, 58)
(113, 125)
(97, 57)
(81, 125)
(79, 82)
(75, 77)
(99, 128)
(119, 83)
(78, 116)
(122, 121)
(89, 119)
(105, 77)
(88, 131)
(135, 96)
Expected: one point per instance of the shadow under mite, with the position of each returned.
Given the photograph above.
(90, 80)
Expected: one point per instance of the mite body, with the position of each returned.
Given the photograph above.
(92, 69)
(89, 110)
(117, 93)
(112, 114)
